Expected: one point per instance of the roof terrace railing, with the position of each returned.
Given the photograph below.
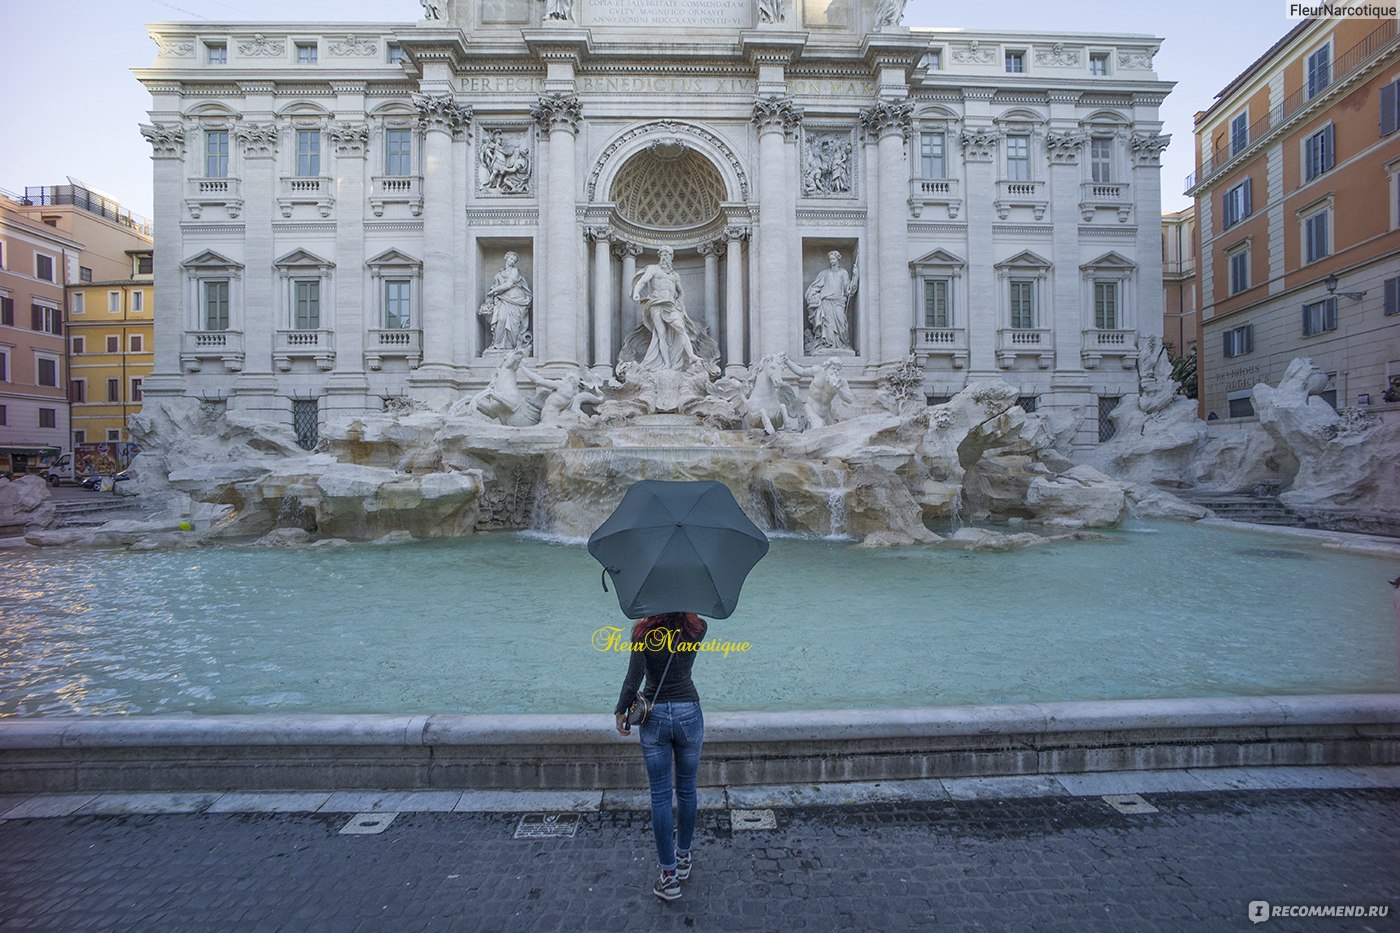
(90, 201)
(1352, 61)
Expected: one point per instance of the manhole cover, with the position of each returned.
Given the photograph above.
(547, 826)
(367, 824)
(752, 819)
(1129, 803)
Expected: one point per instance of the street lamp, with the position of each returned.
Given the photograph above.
(1331, 283)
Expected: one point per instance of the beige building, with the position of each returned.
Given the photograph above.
(110, 346)
(1179, 293)
(1298, 198)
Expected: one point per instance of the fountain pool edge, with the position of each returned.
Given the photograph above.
(579, 751)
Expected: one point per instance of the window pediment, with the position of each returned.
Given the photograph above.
(393, 258)
(302, 259)
(939, 259)
(210, 260)
(1111, 261)
(1024, 260)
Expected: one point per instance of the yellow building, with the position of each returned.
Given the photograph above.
(110, 338)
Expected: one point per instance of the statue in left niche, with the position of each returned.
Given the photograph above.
(507, 307)
(559, 11)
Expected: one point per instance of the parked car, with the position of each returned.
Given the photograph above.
(95, 482)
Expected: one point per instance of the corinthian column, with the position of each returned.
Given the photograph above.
(557, 332)
(777, 119)
(602, 296)
(168, 152)
(440, 119)
(889, 122)
(734, 298)
(711, 251)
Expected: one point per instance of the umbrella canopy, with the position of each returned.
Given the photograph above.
(678, 547)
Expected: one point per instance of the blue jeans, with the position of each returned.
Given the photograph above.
(673, 731)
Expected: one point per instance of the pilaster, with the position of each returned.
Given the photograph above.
(168, 153)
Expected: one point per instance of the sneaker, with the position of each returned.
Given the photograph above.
(682, 867)
(667, 886)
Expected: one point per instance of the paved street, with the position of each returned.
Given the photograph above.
(1071, 863)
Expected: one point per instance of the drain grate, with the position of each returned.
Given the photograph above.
(367, 824)
(547, 826)
(1129, 803)
(752, 819)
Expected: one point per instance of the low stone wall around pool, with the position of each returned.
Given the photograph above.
(539, 751)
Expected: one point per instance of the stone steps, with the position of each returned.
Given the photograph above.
(1244, 507)
(87, 512)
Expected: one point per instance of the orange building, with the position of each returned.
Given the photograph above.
(1297, 192)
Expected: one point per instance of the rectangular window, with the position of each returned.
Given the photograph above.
(79, 437)
(1239, 271)
(938, 307)
(114, 343)
(1318, 156)
(45, 320)
(1241, 405)
(138, 301)
(933, 60)
(1392, 295)
(306, 304)
(4, 415)
(1319, 317)
(216, 305)
(396, 304)
(307, 53)
(145, 265)
(1319, 71)
(135, 343)
(84, 274)
(1390, 107)
(46, 368)
(1028, 403)
(114, 435)
(48, 417)
(1022, 304)
(216, 53)
(1018, 158)
(79, 303)
(1239, 341)
(43, 267)
(397, 152)
(114, 302)
(1315, 236)
(4, 365)
(1236, 204)
(932, 155)
(114, 390)
(7, 311)
(1015, 62)
(396, 54)
(216, 154)
(1106, 426)
(136, 390)
(79, 345)
(308, 153)
(1106, 305)
(1098, 63)
(1101, 160)
(77, 390)
(1239, 133)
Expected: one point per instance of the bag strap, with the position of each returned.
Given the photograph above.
(657, 692)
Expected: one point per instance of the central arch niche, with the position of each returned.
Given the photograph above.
(669, 193)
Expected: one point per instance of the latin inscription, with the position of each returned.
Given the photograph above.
(713, 14)
(666, 84)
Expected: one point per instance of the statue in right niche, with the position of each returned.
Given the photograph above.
(507, 307)
(828, 301)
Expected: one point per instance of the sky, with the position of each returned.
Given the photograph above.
(82, 106)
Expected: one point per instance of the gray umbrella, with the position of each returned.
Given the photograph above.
(678, 547)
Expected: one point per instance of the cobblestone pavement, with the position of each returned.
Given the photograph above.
(1052, 863)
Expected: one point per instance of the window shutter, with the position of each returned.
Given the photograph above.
(1306, 330)
(1248, 199)
(1392, 296)
(1389, 110)
(7, 312)
(35, 318)
(57, 323)
(1330, 322)
(1329, 150)
(1248, 338)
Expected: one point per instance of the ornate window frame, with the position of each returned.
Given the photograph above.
(384, 341)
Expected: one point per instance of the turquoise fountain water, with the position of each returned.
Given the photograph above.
(510, 623)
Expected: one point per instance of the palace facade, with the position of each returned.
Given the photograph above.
(336, 202)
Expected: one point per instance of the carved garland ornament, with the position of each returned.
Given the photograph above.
(441, 113)
(262, 47)
(888, 117)
(1137, 61)
(353, 47)
(558, 112)
(173, 48)
(167, 139)
(1059, 55)
(973, 54)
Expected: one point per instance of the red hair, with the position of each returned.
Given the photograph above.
(690, 623)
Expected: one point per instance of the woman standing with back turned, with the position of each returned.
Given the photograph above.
(672, 734)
